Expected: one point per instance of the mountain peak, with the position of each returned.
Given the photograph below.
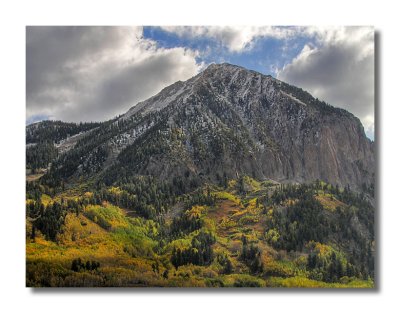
(214, 66)
(231, 121)
(227, 67)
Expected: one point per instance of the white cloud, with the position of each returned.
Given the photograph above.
(338, 70)
(95, 73)
(235, 38)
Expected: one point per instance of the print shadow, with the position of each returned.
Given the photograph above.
(217, 291)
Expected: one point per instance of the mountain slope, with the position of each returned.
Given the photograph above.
(193, 187)
(250, 234)
(225, 122)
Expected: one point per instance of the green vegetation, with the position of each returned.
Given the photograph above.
(42, 137)
(146, 233)
(40, 155)
(55, 131)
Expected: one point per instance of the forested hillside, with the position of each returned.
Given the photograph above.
(245, 233)
(42, 139)
(231, 178)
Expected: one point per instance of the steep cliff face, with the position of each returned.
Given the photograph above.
(228, 121)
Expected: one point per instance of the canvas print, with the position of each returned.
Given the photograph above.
(200, 156)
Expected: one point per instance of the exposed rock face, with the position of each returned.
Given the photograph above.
(228, 121)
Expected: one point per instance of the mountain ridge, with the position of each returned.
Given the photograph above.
(235, 121)
(230, 179)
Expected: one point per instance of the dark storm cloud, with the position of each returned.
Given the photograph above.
(133, 83)
(340, 71)
(94, 73)
(51, 51)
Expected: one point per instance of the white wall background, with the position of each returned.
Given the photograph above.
(16, 14)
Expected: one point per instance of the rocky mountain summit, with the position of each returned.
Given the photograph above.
(229, 179)
(223, 123)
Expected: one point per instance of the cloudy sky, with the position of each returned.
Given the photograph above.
(95, 73)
